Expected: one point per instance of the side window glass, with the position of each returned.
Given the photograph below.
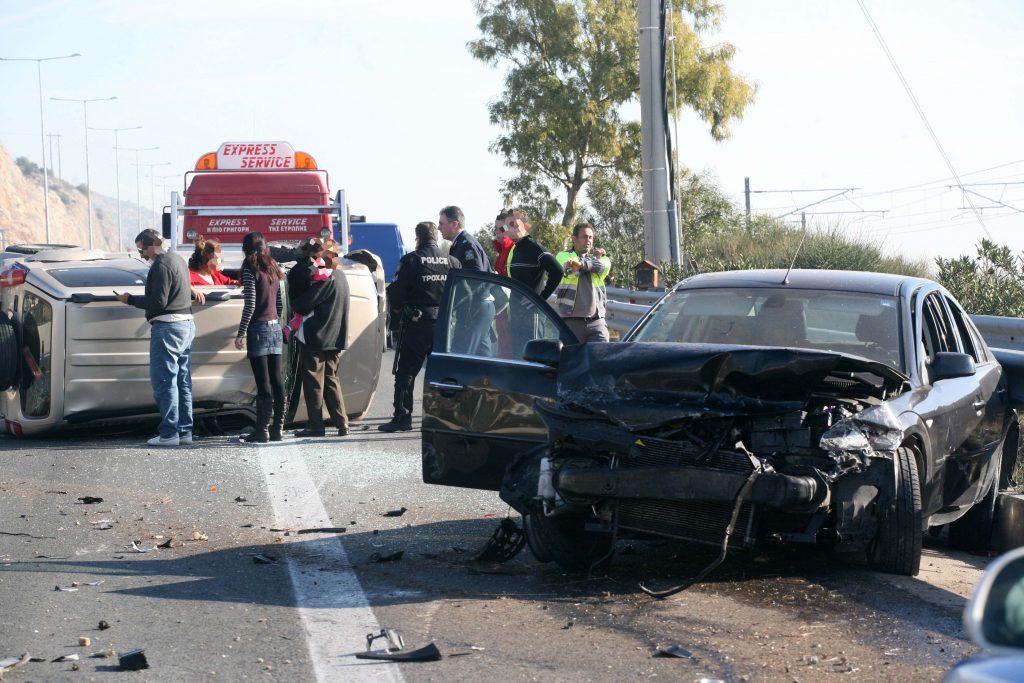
(36, 356)
(487, 320)
(963, 328)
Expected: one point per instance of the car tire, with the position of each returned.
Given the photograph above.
(973, 531)
(1010, 456)
(562, 538)
(897, 547)
(8, 353)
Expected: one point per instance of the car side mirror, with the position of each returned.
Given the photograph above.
(994, 616)
(543, 351)
(165, 225)
(948, 365)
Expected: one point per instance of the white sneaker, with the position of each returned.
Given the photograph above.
(160, 441)
(185, 438)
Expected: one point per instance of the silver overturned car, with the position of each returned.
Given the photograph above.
(851, 410)
(72, 355)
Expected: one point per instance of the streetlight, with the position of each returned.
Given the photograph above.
(138, 199)
(152, 189)
(85, 126)
(42, 127)
(60, 174)
(117, 179)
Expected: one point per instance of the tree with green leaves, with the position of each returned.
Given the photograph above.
(572, 65)
(991, 283)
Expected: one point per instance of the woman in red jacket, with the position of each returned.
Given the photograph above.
(204, 264)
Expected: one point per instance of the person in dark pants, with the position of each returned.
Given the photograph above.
(415, 295)
(323, 335)
(475, 311)
(259, 332)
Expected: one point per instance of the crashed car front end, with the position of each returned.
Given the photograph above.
(723, 445)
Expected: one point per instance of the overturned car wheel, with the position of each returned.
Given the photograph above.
(564, 539)
(897, 547)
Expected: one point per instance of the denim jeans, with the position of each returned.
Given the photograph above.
(170, 373)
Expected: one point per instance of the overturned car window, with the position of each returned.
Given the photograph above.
(37, 345)
(865, 325)
(98, 277)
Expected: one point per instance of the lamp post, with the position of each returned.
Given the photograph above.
(152, 187)
(138, 196)
(51, 136)
(117, 179)
(42, 127)
(85, 125)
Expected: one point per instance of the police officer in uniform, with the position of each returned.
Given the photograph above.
(475, 308)
(415, 295)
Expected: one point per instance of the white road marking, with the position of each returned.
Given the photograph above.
(330, 600)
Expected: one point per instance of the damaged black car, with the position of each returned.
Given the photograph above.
(747, 408)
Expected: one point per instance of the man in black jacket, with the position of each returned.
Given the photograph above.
(324, 337)
(415, 295)
(474, 309)
(168, 306)
(529, 263)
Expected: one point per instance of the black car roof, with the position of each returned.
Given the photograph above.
(837, 280)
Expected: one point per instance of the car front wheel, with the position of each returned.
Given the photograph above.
(897, 547)
(564, 539)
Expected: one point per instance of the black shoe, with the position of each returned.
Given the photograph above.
(257, 436)
(276, 434)
(307, 433)
(342, 431)
(397, 425)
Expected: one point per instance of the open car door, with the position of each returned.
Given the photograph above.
(478, 402)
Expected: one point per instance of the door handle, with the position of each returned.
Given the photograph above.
(446, 386)
(979, 405)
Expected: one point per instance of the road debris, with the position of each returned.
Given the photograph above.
(199, 536)
(505, 543)
(84, 641)
(69, 589)
(66, 658)
(395, 513)
(427, 653)
(394, 638)
(323, 530)
(264, 559)
(103, 625)
(103, 524)
(136, 548)
(106, 654)
(673, 651)
(240, 499)
(133, 660)
(89, 500)
(169, 543)
(12, 663)
(393, 557)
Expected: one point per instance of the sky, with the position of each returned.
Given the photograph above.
(385, 96)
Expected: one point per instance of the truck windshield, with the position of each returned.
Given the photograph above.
(98, 277)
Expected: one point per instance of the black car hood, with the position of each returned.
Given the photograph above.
(644, 384)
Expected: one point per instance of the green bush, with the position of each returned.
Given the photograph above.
(990, 283)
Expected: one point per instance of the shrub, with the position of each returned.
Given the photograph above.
(28, 168)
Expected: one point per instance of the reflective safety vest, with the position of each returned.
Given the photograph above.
(597, 268)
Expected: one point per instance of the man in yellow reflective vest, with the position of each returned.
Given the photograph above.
(581, 297)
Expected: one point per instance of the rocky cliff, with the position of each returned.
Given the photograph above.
(22, 216)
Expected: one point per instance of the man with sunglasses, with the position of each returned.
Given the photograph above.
(168, 306)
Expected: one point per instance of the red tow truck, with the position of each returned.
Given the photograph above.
(255, 186)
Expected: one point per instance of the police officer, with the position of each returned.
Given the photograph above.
(475, 309)
(415, 295)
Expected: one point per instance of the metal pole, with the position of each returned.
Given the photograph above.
(117, 181)
(88, 180)
(50, 136)
(746, 194)
(652, 135)
(60, 167)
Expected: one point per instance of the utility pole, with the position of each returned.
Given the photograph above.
(50, 137)
(654, 159)
(746, 194)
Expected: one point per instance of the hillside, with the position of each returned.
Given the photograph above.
(22, 216)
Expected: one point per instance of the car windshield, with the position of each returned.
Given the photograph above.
(859, 324)
(98, 277)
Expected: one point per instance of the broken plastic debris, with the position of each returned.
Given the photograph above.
(11, 663)
(199, 536)
(673, 651)
(69, 589)
(66, 658)
(393, 557)
(136, 548)
(133, 660)
(395, 640)
(84, 641)
(90, 500)
(395, 513)
(428, 653)
(95, 583)
(504, 544)
(215, 488)
(240, 499)
(106, 654)
(104, 523)
(323, 530)
(103, 625)
(169, 543)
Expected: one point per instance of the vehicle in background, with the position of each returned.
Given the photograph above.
(243, 187)
(994, 620)
(72, 355)
(850, 410)
(382, 239)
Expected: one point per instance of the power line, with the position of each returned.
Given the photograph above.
(917, 105)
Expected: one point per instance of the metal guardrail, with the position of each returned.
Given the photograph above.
(626, 306)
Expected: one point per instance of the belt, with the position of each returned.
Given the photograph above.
(596, 316)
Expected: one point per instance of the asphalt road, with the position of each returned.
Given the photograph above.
(246, 592)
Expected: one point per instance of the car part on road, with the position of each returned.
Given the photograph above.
(427, 653)
(133, 660)
(505, 543)
(90, 500)
(395, 513)
(377, 558)
(395, 641)
(673, 651)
